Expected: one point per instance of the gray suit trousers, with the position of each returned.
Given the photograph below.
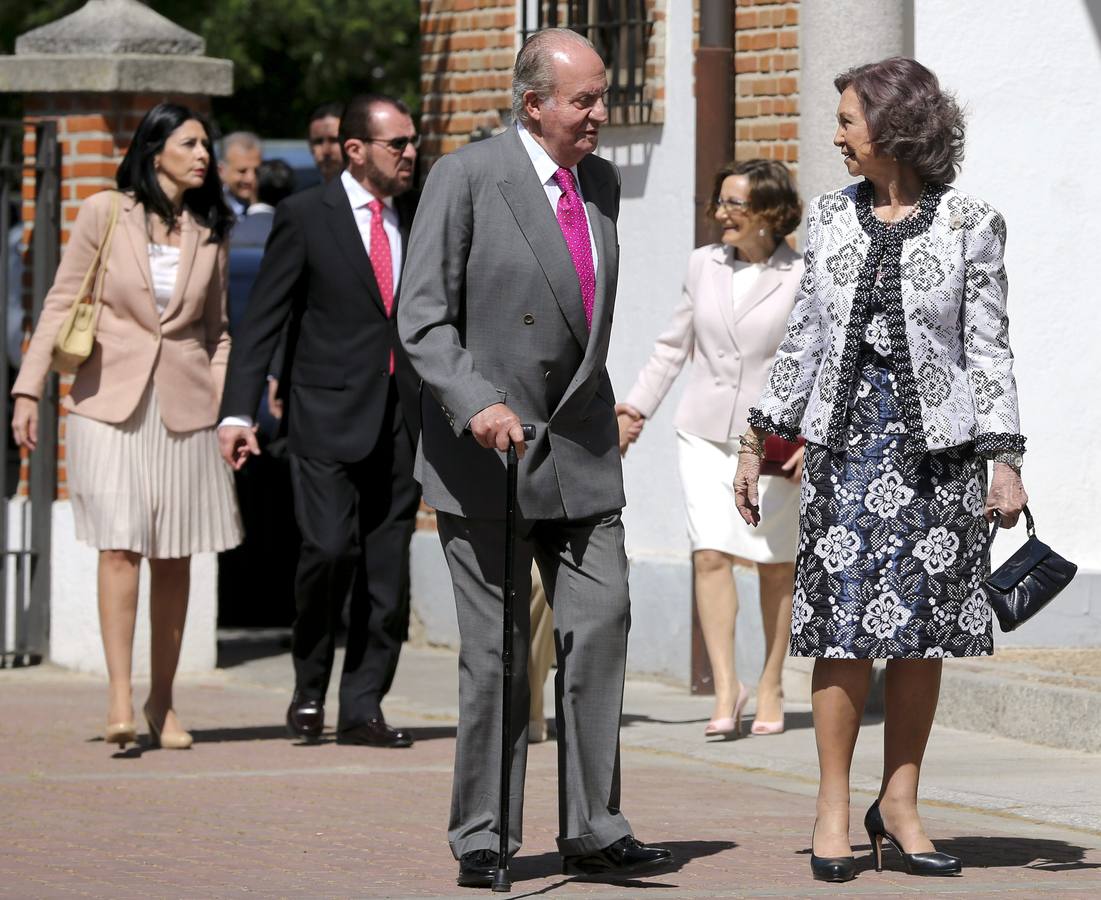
(584, 569)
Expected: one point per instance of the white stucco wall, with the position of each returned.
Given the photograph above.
(75, 640)
(1029, 77)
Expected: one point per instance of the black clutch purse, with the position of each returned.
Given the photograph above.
(1028, 581)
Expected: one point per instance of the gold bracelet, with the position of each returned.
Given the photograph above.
(751, 445)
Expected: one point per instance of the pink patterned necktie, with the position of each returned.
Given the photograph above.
(382, 262)
(575, 229)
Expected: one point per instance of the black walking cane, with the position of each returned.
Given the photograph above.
(501, 880)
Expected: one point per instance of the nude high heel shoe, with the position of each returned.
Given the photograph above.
(731, 727)
(181, 740)
(777, 727)
(122, 733)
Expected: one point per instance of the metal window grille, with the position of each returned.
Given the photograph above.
(620, 30)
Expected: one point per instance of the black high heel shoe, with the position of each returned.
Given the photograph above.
(831, 868)
(916, 863)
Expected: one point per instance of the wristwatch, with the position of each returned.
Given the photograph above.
(1010, 458)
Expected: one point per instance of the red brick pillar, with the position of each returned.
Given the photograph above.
(97, 90)
(766, 80)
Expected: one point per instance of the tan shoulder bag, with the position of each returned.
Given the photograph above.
(77, 335)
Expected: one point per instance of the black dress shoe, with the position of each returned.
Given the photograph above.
(476, 868)
(305, 718)
(833, 868)
(623, 859)
(375, 733)
(916, 863)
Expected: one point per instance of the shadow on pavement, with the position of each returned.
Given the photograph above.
(279, 732)
(238, 646)
(1039, 854)
(548, 865)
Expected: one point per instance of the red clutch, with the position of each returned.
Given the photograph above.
(777, 452)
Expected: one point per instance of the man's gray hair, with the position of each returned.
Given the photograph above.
(534, 69)
(246, 140)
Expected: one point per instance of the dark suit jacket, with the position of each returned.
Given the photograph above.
(316, 273)
(492, 312)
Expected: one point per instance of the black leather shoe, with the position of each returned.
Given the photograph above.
(375, 733)
(833, 868)
(916, 863)
(623, 859)
(305, 718)
(476, 868)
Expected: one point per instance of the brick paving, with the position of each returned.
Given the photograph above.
(247, 812)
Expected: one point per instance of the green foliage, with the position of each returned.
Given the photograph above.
(289, 56)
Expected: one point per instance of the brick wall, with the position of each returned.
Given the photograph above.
(766, 80)
(93, 130)
(467, 51)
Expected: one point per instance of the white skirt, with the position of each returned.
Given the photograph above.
(138, 486)
(707, 475)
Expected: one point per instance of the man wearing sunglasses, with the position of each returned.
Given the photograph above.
(332, 272)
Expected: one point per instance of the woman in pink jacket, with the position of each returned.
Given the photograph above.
(145, 476)
(730, 320)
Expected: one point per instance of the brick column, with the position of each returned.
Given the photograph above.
(95, 73)
(467, 51)
(766, 80)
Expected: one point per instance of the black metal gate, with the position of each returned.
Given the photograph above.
(25, 526)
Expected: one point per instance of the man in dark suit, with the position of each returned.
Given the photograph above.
(507, 317)
(333, 268)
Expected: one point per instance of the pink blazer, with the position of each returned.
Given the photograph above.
(184, 351)
(731, 344)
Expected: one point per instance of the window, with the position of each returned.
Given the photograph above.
(620, 30)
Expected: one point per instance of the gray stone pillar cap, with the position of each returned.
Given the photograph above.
(114, 46)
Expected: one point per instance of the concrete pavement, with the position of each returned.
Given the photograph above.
(248, 812)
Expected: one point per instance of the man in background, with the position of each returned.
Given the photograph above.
(333, 266)
(324, 136)
(237, 166)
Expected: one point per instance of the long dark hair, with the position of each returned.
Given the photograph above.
(137, 174)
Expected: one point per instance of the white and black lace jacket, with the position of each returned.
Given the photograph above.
(944, 291)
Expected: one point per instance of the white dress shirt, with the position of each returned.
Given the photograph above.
(359, 198)
(545, 167)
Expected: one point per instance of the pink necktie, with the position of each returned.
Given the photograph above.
(381, 262)
(575, 229)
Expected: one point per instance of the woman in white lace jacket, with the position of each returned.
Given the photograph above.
(897, 369)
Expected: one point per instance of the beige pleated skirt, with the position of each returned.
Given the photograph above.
(138, 486)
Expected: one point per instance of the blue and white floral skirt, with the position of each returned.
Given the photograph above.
(893, 546)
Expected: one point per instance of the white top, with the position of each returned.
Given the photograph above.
(545, 167)
(164, 263)
(359, 197)
(744, 277)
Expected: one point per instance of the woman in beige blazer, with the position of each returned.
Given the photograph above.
(145, 476)
(731, 318)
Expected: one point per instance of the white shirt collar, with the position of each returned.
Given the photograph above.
(545, 167)
(259, 208)
(358, 195)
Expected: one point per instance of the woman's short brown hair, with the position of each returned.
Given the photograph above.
(772, 194)
(909, 117)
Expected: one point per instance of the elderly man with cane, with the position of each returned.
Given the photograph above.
(506, 315)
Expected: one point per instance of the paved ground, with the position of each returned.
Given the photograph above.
(246, 812)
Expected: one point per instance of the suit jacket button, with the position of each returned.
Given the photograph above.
(529, 319)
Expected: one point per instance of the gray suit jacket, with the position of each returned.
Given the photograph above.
(492, 312)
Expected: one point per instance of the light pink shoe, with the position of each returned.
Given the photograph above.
(731, 727)
(759, 727)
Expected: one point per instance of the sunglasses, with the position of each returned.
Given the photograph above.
(397, 144)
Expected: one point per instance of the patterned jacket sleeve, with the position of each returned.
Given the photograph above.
(787, 391)
(986, 338)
